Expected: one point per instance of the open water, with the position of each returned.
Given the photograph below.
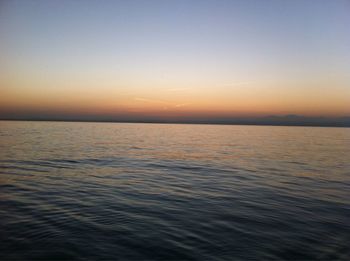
(117, 191)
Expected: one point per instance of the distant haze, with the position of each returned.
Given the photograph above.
(227, 62)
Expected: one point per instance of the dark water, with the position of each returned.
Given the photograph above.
(97, 191)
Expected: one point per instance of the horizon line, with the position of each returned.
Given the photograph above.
(242, 123)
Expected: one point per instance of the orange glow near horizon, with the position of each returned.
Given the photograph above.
(250, 99)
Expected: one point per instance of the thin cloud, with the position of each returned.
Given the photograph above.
(150, 100)
(182, 105)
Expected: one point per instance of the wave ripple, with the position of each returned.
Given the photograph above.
(85, 191)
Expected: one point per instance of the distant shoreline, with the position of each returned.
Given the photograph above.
(286, 124)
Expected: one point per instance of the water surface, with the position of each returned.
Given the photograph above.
(97, 191)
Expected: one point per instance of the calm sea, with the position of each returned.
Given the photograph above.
(117, 191)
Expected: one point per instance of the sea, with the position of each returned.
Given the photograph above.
(134, 191)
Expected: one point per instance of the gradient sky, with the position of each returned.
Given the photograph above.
(174, 58)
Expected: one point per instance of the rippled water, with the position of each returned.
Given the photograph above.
(173, 192)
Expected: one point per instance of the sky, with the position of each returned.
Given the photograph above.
(174, 59)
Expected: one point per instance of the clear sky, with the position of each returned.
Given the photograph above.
(175, 58)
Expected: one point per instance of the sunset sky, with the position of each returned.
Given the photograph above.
(173, 59)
